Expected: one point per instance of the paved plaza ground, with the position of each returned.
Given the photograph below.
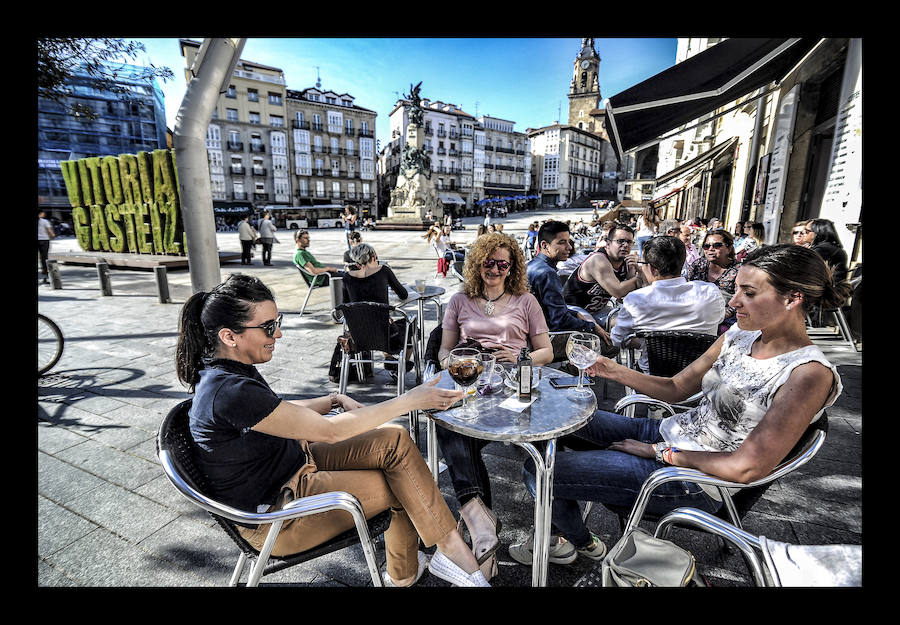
(108, 517)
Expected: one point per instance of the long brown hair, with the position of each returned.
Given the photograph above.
(484, 246)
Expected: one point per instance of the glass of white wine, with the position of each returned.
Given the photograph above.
(583, 350)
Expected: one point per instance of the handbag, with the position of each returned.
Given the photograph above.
(639, 559)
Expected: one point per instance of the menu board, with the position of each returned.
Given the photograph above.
(781, 150)
(842, 199)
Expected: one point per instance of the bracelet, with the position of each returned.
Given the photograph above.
(335, 402)
(667, 454)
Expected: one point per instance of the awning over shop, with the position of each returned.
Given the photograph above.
(451, 198)
(642, 114)
(722, 150)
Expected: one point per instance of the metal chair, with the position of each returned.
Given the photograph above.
(736, 504)
(775, 564)
(313, 281)
(369, 327)
(175, 448)
(668, 352)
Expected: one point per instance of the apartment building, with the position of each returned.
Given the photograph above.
(122, 126)
(569, 163)
(247, 139)
(470, 158)
(332, 150)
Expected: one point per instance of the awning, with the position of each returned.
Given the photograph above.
(451, 198)
(695, 163)
(639, 116)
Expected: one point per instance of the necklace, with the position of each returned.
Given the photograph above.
(489, 303)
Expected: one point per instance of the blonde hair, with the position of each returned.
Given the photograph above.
(484, 246)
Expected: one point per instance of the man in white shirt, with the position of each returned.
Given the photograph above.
(44, 234)
(670, 302)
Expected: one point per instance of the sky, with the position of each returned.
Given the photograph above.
(524, 80)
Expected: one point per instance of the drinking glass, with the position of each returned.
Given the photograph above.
(583, 350)
(420, 286)
(465, 367)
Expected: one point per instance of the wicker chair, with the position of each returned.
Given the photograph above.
(668, 352)
(175, 449)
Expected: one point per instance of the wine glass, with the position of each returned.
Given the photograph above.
(583, 350)
(465, 367)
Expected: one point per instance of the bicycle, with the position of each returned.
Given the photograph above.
(50, 343)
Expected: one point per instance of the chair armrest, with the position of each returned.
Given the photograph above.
(639, 398)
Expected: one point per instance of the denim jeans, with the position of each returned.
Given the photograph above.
(468, 473)
(612, 478)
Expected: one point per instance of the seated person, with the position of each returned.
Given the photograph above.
(719, 266)
(260, 452)
(554, 244)
(494, 308)
(763, 381)
(355, 238)
(451, 251)
(607, 273)
(304, 258)
(370, 283)
(670, 302)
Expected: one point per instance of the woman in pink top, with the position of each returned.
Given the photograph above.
(496, 309)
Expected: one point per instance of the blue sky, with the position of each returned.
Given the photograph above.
(524, 80)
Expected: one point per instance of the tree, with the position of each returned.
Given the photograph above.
(60, 59)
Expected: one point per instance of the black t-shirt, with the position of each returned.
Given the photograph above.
(374, 288)
(244, 468)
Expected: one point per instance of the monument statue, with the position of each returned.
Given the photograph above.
(414, 194)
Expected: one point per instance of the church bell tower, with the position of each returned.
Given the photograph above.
(584, 90)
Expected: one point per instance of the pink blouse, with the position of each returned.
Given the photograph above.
(510, 326)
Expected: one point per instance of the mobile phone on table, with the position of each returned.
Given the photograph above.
(564, 382)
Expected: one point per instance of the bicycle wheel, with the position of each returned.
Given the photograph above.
(49, 344)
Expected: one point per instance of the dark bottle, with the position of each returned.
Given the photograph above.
(523, 365)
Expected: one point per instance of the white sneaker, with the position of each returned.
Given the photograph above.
(423, 562)
(443, 567)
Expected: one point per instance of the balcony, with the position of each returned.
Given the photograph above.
(259, 171)
(318, 127)
(507, 150)
(237, 170)
(488, 146)
(299, 125)
(441, 151)
(453, 152)
(236, 146)
(239, 195)
(260, 197)
(366, 133)
(257, 147)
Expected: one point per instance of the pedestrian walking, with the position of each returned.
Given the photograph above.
(267, 237)
(247, 235)
(44, 234)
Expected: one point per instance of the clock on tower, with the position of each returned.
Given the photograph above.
(584, 91)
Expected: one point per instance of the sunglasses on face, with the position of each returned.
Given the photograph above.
(502, 265)
(715, 245)
(269, 327)
(796, 232)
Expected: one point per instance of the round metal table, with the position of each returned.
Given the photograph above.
(553, 413)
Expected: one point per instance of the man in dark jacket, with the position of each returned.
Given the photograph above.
(554, 245)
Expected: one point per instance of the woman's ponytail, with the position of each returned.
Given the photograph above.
(192, 343)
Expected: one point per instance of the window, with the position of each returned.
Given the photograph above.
(303, 164)
(320, 188)
(254, 118)
(303, 187)
(276, 120)
(335, 149)
(301, 141)
(319, 165)
(275, 98)
(335, 167)
(335, 190)
(253, 95)
(349, 147)
(213, 137)
(231, 115)
(231, 92)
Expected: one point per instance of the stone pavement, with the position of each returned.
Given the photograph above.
(107, 516)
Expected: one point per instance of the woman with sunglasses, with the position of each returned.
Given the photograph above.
(801, 234)
(496, 309)
(260, 451)
(718, 265)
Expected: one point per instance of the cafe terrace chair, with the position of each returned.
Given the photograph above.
(369, 326)
(737, 498)
(668, 352)
(314, 281)
(773, 563)
(175, 449)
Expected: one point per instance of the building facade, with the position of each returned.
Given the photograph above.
(471, 159)
(122, 126)
(332, 150)
(568, 163)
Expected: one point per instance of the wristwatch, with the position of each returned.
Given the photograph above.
(659, 448)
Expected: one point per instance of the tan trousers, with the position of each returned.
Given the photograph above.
(383, 469)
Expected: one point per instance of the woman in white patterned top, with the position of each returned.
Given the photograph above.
(763, 383)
